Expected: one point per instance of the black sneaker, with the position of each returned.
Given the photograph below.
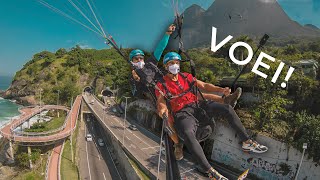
(233, 98)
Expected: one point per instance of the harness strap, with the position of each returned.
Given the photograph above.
(168, 93)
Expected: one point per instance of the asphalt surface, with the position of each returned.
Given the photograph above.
(139, 143)
(95, 161)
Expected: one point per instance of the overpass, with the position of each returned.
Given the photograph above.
(37, 138)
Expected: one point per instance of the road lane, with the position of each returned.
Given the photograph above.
(95, 162)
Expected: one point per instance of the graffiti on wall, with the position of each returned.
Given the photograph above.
(280, 170)
(265, 169)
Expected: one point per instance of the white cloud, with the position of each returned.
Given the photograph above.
(85, 46)
(268, 1)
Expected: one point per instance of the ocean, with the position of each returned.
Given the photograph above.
(8, 109)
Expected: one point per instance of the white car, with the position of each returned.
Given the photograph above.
(133, 127)
(100, 142)
(92, 102)
(89, 137)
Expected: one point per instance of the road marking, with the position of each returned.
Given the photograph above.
(129, 131)
(150, 147)
(133, 146)
(141, 140)
(107, 147)
(87, 155)
(104, 176)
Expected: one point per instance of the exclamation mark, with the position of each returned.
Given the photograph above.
(283, 85)
(276, 75)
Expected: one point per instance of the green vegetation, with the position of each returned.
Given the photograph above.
(139, 172)
(69, 169)
(55, 123)
(67, 72)
(29, 175)
(39, 165)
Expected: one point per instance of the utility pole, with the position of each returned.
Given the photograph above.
(40, 105)
(305, 146)
(58, 102)
(125, 118)
(71, 129)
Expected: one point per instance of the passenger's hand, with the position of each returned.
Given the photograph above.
(163, 111)
(226, 91)
(171, 29)
(135, 75)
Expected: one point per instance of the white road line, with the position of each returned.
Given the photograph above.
(141, 140)
(108, 148)
(104, 176)
(150, 147)
(129, 130)
(87, 155)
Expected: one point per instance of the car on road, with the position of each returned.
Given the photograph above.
(89, 137)
(92, 102)
(133, 127)
(100, 142)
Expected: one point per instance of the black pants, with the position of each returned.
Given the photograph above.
(187, 123)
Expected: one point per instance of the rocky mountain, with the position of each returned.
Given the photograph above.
(240, 17)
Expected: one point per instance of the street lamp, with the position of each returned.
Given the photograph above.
(304, 146)
(58, 101)
(71, 129)
(58, 97)
(125, 118)
(40, 90)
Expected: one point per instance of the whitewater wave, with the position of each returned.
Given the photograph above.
(13, 101)
(5, 121)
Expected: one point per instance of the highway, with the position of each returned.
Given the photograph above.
(142, 145)
(95, 161)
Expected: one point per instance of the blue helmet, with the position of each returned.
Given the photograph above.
(171, 56)
(135, 52)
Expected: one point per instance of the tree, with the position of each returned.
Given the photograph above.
(42, 55)
(23, 159)
(61, 52)
(290, 50)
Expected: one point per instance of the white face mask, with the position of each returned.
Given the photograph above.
(174, 69)
(139, 64)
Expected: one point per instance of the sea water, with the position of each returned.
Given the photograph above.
(8, 109)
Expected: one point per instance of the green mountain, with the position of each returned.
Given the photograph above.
(67, 72)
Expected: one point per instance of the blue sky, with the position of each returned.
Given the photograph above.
(27, 27)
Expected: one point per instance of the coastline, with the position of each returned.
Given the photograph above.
(10, 111)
